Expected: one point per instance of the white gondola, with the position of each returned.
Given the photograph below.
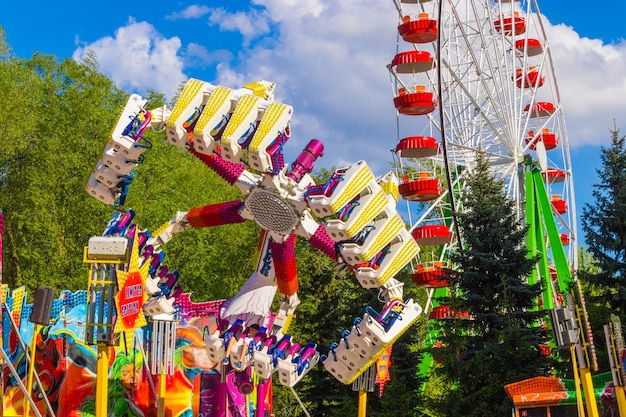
(401, 250)
(117, 161)
(349, 183)
(264, 364)
(100, 191)
(242, 125)
(361, 344)
(292, 369)
(373, 329)
(214, 346)
(369, 204)
(340, 370)
(123, 143)
(194, 95)
(275, 123)
(159, 305)
(215, 115)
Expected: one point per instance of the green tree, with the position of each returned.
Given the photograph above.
(57, 117)
(497, 343)
(55, 123)
(604, 225)
(598, 308)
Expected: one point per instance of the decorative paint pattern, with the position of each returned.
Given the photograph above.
(67, 367)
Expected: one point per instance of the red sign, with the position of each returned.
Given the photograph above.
(131, 300)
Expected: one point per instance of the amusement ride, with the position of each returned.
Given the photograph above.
(240, 135)
(469, 77)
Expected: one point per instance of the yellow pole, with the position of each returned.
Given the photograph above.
(621, 400)
(362, 403)
(162, 391)
(102, 381)
(31, 370)
(616, 369)
(584, 368)
(579, 396)
(590, 397)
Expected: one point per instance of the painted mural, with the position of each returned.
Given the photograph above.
(66, 366)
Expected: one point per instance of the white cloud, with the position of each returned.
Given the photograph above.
(199, 55)
(190, 12)
(328, 59)
(590, 74)
(250, 24)
(138, 58)
(284, 10)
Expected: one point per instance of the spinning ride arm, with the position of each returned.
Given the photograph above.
(240, 135)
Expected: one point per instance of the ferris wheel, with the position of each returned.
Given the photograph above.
(474, 76)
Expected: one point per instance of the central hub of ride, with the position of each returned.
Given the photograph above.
(271, 212)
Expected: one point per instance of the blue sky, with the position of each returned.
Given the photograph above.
(327, 57)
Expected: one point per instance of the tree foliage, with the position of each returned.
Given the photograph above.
(490, 286)
(56, 122)
(604, 225)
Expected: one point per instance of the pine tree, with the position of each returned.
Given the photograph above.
(499, 342)
(604, 225)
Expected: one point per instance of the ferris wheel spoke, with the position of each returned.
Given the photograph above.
(475, 62)
(470, 100)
